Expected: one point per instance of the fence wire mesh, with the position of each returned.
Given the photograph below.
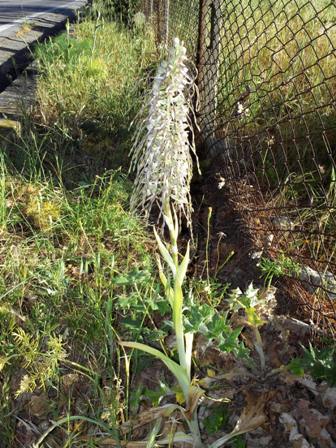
(267, 82)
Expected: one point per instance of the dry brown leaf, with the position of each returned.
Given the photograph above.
(253, 414)
(251, 418)
(195, 394)
(39, 405)
(177, 438)
(147, 417)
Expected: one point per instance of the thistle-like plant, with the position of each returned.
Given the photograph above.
(255, 305)
(163, 141)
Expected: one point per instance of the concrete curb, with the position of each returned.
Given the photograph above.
(16, 48)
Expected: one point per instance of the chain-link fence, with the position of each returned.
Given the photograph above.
(267, 83)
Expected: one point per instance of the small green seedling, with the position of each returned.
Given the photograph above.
(320, 364)
(279, 267)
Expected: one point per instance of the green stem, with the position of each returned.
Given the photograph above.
(259, 348)
(178, 293)
(179, 329)
(207, 261)
(195, 431)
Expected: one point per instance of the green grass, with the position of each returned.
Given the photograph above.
(282, 266)
(91, 83)
(91, 78)
(76, 267)
(71, 267)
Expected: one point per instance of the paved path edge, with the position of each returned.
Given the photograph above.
(17, 54)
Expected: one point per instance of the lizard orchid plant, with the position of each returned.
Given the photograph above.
(162, 161)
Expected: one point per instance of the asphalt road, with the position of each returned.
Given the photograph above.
(44, 17)
(15, 12)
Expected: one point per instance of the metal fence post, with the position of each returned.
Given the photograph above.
(208, 58)
(166, 13)
(201, 31)
(148, 10)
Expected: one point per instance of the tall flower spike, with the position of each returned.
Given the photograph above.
(163, 141)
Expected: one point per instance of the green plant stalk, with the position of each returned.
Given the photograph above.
(259, 347)
(253, 320)
(207, 245)
(227, 259)
(174, 294)
(195, 431)
(180, 271)
(3, 214)
(175, 368)
(183, 341)
(178, 326)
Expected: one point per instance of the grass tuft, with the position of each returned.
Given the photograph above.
(91, 78)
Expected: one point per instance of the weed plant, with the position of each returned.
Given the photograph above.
(319, 363)
(282, 266)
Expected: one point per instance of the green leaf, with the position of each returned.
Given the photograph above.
(153, 434)
(296, 367)
(165, 254)
(229, 341)
(238, 442)
(218, 325)
(320, 364)
(218, 418)
(155, 396)
(252, 318)
(197, 318)
(132, 278)
(182, 269)
(179, 373)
